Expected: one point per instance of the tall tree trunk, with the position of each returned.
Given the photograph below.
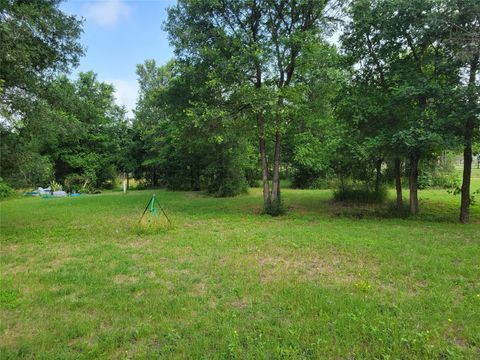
(275, 197)
(398, 183)
(192, 179)
(413, 184)
(197, 179)
(263, 158)
(261, 120)
(378, 172)
(154, 179)
(467, 148)
(467, 172)
(275, 200)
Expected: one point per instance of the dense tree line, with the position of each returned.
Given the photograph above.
(255, 93)
(52, 127)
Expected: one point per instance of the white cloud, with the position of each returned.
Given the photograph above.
(107, 12)
(126, 93)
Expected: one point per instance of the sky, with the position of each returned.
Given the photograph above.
(118, 35)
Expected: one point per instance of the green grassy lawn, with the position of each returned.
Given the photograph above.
(79, 279)
(476, 175)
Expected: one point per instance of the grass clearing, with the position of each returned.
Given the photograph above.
(80, 279)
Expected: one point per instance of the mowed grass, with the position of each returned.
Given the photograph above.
(80, 279)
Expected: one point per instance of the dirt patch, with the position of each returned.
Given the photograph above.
(176, 271)
(135, 244)
(329, 268)
(8, 248)
(212, 303)
(139, 294)
(124, 280)
(56, 263)
(17, 268)
(41, 267)
(151, 274)
(241, 304)
(310, 269)
(199, 289)
(453, 334)
(192, 224)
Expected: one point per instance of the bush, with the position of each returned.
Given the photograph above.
(5, 190)
(360, 195)
(141, 184)
(438, 172)
(55, 186)
(108, 185)
(31, 169)
(253, 178)
(76, 183)
(304, 178)
(105, 177)
(225, 182)
(309, 179)
(225, 174)
(274, 208)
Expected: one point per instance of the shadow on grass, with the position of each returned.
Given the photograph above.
(432, 209)
(152, 228)
(435, 206)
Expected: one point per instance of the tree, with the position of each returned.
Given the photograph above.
(38, 41)
(369, 101)
(400, 48)
(189, 139)
(251, 45)
(462, 21)
(150, 119)
(88, 146)
(311, 141)
(126, 152)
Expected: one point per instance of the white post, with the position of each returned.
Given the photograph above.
(124, 183)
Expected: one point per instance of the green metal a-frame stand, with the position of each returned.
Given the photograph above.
(152, 210)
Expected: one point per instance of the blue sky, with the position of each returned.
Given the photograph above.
(118, 35)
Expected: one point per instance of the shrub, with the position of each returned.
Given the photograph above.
(141, 184)
(5, 190)
(31, 169)
(225, 175)
(109, 185)
(253, 178)
(304, 178)
(274, 208)
(76, 183)
(360, 195)
(105, 177)
(309, 179)
(55, 186)
(224, 182)
(438, 172)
